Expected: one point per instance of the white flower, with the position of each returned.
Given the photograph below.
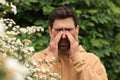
(43, 77)
(53, 78)
(42, 29)
(35, 75)
(13, 8)
(31, 49)
(2, 25)
(19, 71)
(19, 42)
(23, 30)
(3, 2)
(29, 78)
(17, 26)
(25, 51)
(34, 63)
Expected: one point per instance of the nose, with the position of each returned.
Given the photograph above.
(64, 34)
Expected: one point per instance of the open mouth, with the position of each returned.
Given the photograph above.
(64, 44)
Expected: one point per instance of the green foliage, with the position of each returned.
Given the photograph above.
(99, 22)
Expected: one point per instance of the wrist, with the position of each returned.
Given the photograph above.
(77, 57)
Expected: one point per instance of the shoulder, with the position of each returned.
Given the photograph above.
(88, 55)
(93, 60)
(92, 56)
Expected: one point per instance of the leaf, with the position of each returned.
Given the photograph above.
(78, 12)
(47, 9)
(117, 37)
(94, 18)
(99, 42)
(93, 11)
(104, 42)
(87, 2)
(116, 10)
(95, 43)
(90, 24)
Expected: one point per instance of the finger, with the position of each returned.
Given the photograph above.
(53, 35)
(70, 37)
(73, 42)
(57, 38)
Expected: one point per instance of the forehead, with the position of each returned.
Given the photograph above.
(64, 23)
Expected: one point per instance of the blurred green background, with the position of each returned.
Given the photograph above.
(99, 22)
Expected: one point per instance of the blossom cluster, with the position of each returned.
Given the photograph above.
(20, 49)
(15, 47)
(12, 69)
(41, 73)
(11, 46)
(11, 28)
(10, 6)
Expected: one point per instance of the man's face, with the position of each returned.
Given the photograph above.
(63, 25)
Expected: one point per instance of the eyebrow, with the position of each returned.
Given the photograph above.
(59, 29)
(63, 28)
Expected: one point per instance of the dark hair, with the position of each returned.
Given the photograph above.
(62, 13)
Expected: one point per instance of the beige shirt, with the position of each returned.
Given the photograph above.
(78, 66)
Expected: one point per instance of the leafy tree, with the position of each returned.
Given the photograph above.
(99, 22)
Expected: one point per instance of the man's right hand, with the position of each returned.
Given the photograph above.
(53, 46)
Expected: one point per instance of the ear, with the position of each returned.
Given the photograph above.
(77, 29)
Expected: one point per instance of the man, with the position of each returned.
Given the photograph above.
(74, 63)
